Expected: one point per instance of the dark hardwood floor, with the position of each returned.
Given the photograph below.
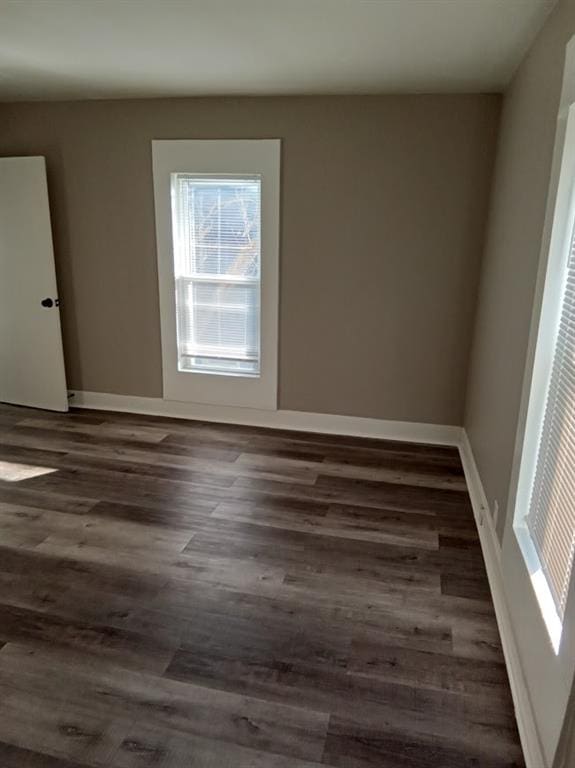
(184, 595)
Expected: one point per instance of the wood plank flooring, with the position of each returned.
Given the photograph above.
(184, 595)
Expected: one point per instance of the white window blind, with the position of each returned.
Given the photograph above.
(216, 234)
(551, 517)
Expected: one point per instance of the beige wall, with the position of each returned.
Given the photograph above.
(510, 262)
(383, 208)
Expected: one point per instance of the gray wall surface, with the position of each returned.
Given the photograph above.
(511, 258)
(384, 201)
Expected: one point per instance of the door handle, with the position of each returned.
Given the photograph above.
(48, 302)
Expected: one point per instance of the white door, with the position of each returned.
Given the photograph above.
(31, 355)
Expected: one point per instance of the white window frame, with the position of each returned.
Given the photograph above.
(244, 157)
(549, 295)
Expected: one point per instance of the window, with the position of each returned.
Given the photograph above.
(217, 230)
(551, 517)
(216, 226)
(544, 520)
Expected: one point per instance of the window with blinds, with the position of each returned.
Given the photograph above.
(551, 516)
(216, 239)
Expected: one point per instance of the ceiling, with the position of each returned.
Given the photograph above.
(60, 49)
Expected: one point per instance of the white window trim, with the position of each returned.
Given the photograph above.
(242, 157)
(556, 243)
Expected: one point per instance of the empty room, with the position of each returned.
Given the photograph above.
(287, 383)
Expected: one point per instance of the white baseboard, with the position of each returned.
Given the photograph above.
(491, 548)
(296, 420)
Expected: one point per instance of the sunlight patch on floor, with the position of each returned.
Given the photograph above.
(12, 472)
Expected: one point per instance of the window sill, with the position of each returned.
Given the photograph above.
(551, 618)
